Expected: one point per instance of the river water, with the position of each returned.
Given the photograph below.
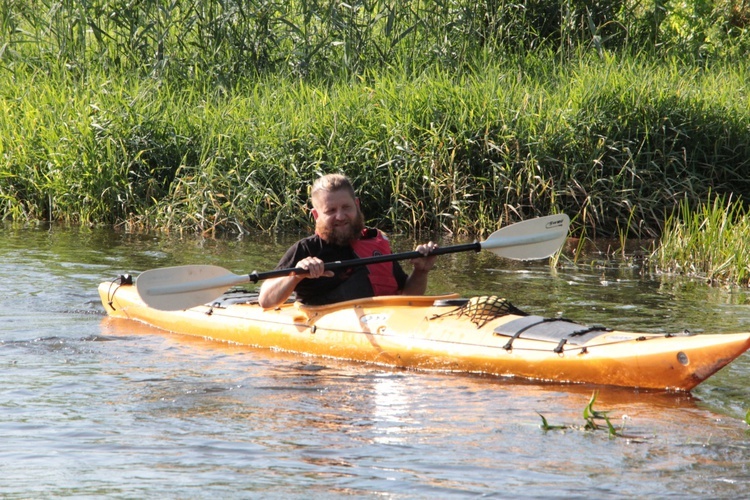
(92, 407)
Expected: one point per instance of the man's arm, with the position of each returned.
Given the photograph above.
(275, 291)
(416, 283)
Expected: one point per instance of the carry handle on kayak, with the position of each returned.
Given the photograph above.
(183, 287)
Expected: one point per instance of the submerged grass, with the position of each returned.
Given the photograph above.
(592, 419)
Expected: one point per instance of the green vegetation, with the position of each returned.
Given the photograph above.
(592, 418)
(712, 242)
(450, 115)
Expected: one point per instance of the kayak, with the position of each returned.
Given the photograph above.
(483, 335)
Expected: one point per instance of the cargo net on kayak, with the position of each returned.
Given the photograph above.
(481, 310)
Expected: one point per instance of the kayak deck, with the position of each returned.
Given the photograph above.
(482, 335)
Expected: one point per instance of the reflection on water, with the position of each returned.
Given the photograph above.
(97, 407)
(393, 409)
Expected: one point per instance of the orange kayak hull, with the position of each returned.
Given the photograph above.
(434, 333)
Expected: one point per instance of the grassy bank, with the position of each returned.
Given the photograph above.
(615, 142)
(450, 115)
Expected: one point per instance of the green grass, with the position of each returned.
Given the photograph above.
(711, 243)
(614, 143)
(451, 116)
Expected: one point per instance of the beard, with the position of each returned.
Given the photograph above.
(342, 235)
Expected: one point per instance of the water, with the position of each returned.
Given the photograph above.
(92, 407)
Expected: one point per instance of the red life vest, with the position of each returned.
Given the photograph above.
(372, 243)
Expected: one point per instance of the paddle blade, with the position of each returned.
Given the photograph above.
(530, 239)
(183, 287)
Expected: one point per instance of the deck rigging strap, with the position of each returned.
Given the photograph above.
(558, 330)
(123, 279)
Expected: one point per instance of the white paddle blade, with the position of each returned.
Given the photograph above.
(530, 239)
(183, 287)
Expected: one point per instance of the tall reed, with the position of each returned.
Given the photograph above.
(610, 141)
(217, 115)
(711, 243)
(226, 40)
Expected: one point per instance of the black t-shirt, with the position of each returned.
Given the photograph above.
(346, 284)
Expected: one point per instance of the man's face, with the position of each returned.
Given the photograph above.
(338, 219)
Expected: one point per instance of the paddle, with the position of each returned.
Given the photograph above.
(183, 287)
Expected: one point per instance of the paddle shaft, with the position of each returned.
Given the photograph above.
(494, 242)
(181, 287)
(255, 277)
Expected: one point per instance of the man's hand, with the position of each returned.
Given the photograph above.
(427, 262)
(315, 268)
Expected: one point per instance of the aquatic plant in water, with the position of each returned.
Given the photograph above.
(591, 418)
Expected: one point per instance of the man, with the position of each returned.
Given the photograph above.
(340, 234)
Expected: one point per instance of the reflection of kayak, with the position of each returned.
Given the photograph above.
(480, 335)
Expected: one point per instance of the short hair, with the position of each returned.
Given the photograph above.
(332, 182)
